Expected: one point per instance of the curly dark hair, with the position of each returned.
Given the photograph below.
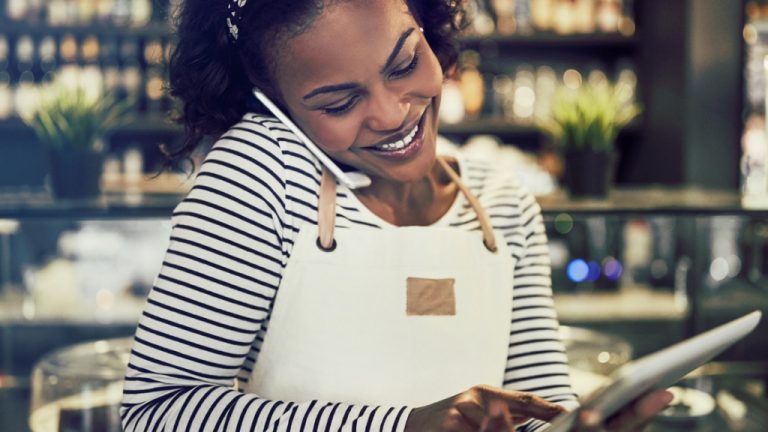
(212, 77)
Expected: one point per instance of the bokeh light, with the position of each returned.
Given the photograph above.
(563, 223)
(594, 271)
(612, 268)
(578, 270)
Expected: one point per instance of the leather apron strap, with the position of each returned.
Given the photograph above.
(326, 218)
(326, 211)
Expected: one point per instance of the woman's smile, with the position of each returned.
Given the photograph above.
(365, 85)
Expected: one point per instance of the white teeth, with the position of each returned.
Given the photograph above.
(399, 145)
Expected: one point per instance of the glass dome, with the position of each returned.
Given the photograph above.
(592, 356)
(79, 388)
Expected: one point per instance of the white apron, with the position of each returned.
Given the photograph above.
(395, 316)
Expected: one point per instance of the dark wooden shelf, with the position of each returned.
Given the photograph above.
(151, 30)
(493, 126)
(503, 127)
(137, 123)
(686, 201)
(553, 40)
(661, 200)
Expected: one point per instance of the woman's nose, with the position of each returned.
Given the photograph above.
(388, 111)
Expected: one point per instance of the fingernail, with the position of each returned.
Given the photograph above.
(591, 419)
(496, 409)
(663, 400)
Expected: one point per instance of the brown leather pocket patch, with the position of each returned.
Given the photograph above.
(430, 297)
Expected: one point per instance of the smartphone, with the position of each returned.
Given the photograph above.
(353, 180)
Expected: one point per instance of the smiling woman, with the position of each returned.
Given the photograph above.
(289, 302)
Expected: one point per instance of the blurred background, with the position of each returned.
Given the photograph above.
(670, 238)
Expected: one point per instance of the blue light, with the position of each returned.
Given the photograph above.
(612, 268)
(594, 271)
(578, 270)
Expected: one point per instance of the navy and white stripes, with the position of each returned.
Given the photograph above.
(206, 316)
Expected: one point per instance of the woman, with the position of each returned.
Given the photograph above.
(394, 312)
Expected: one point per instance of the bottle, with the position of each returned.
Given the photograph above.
(481, 21)
(452, 105)
(91, 78)
(24, 94)
(524, 103)
(546, 86)
(141, 12)
(541, 14)
(154, 86)
(131, 76)
(110, 65)
(6, 94)
(25, 53)
(523, 17)
(503, 95)
(472, 84)
(506, 22)
(627, 20)
(564, 17)
(16, 10)
(4, 52)
(47, 57)
(584, 21)
(56, 12)
(608, 15)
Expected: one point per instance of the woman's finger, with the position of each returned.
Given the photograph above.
(524, 404)
(498, 418)
(636, 416)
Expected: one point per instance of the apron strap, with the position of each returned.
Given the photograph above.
(326, 211)
(489, 239)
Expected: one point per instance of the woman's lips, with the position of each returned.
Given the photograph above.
(407, 151)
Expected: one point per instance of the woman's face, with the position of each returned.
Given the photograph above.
(364, 84)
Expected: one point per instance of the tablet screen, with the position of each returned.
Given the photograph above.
(659, 369)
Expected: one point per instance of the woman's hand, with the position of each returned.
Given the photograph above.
(633, 418)
(482, 408)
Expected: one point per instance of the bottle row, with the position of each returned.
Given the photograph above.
(129, 13)
(22, 53)
(145, 88)
(558, 16)
(523, 93)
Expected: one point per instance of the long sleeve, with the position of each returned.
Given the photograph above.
(536, 362)
(222, 268)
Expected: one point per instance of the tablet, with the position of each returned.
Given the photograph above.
(658, 370)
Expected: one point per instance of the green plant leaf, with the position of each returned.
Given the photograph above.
(589, 117)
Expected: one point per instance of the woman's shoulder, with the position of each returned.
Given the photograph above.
(264, 141)
(490, 179)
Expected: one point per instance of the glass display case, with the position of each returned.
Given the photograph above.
(648, 265)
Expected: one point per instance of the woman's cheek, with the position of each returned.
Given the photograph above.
(333, 135)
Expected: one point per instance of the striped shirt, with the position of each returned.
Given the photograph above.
(206, 316)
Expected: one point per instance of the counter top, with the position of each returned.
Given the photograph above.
(691, 201)
(655, 200)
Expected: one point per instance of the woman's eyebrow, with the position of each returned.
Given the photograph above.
(396, 50)
(350, 86)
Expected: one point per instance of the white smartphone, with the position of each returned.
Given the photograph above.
(659, 370)
(353, 180)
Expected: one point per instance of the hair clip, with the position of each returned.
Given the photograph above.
(234, 16)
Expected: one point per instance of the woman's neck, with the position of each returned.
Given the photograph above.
(422, 202)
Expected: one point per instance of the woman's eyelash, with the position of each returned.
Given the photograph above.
(341, 109)
(408, 69)
(349, 104)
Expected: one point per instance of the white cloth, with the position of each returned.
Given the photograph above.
(339, 328)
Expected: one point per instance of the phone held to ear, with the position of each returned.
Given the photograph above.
(353, 180)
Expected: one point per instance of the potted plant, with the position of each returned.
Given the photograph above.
(73, 123)
(584, 123)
